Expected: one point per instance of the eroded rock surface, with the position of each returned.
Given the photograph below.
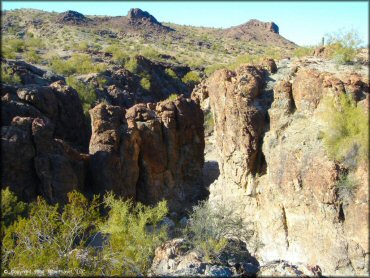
(151, 152)
(292, 200)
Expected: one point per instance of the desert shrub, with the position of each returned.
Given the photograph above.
(11, 208)
(150, 53)
(7, 52)
(345, 135)
(145, 83)
(85, 91)
(346, 187)
(83, 46)
(34, 43)
(7, 77)
(172, 97)
(32, 56)
(46, 238)
(78, 63)
(132, 65)
(134, 233)
(210, 225)
(303, 51)
(191, 78)
(16, 44)
(342, 46)
(211, 69)
(171, 73)
(244, 59)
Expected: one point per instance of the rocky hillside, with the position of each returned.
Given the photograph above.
(137, 32)
(277, 149)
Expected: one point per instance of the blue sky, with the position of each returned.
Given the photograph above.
(302, 22)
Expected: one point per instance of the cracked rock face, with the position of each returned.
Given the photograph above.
(238, 121)
(149, 152)
(294, 204)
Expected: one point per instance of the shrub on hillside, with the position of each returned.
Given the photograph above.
(78, 63)
(303, 51)
(342, 46)
(8, 78)
(191, 78)
(85, 91)
(345, 134)
(145, 83)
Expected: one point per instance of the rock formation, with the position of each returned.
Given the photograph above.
(150, 152)
(73, 18)
(292, 199)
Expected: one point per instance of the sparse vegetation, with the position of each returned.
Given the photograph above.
(346, 133)
(8, 78)
(210, 225)
(86, 93)
(346, 187)
(342, 46)
(303, 51)
(78, 63)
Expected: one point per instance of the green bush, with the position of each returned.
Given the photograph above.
(47, 237)
(191, 78)
(171, 73)
(134, 233)
(78, 63)
(342, 46)
(303, 51)
(11, 208)
(32, 56)
(86, 93)
(145, 83)
(345, 134)
(132, 65)
(7, 78)
(172, 97)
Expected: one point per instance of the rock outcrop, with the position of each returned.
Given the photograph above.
(292, 199)
(150, 152)
(41, 126)
(138, 16)
(73, 18)
(239, 123)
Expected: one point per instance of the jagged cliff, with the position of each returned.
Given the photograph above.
(275, 171)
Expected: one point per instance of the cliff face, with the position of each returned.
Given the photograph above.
(148, 152)
(275, 171)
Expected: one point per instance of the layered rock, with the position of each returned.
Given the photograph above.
(151, 152)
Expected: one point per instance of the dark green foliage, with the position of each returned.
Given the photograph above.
(86, 92)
